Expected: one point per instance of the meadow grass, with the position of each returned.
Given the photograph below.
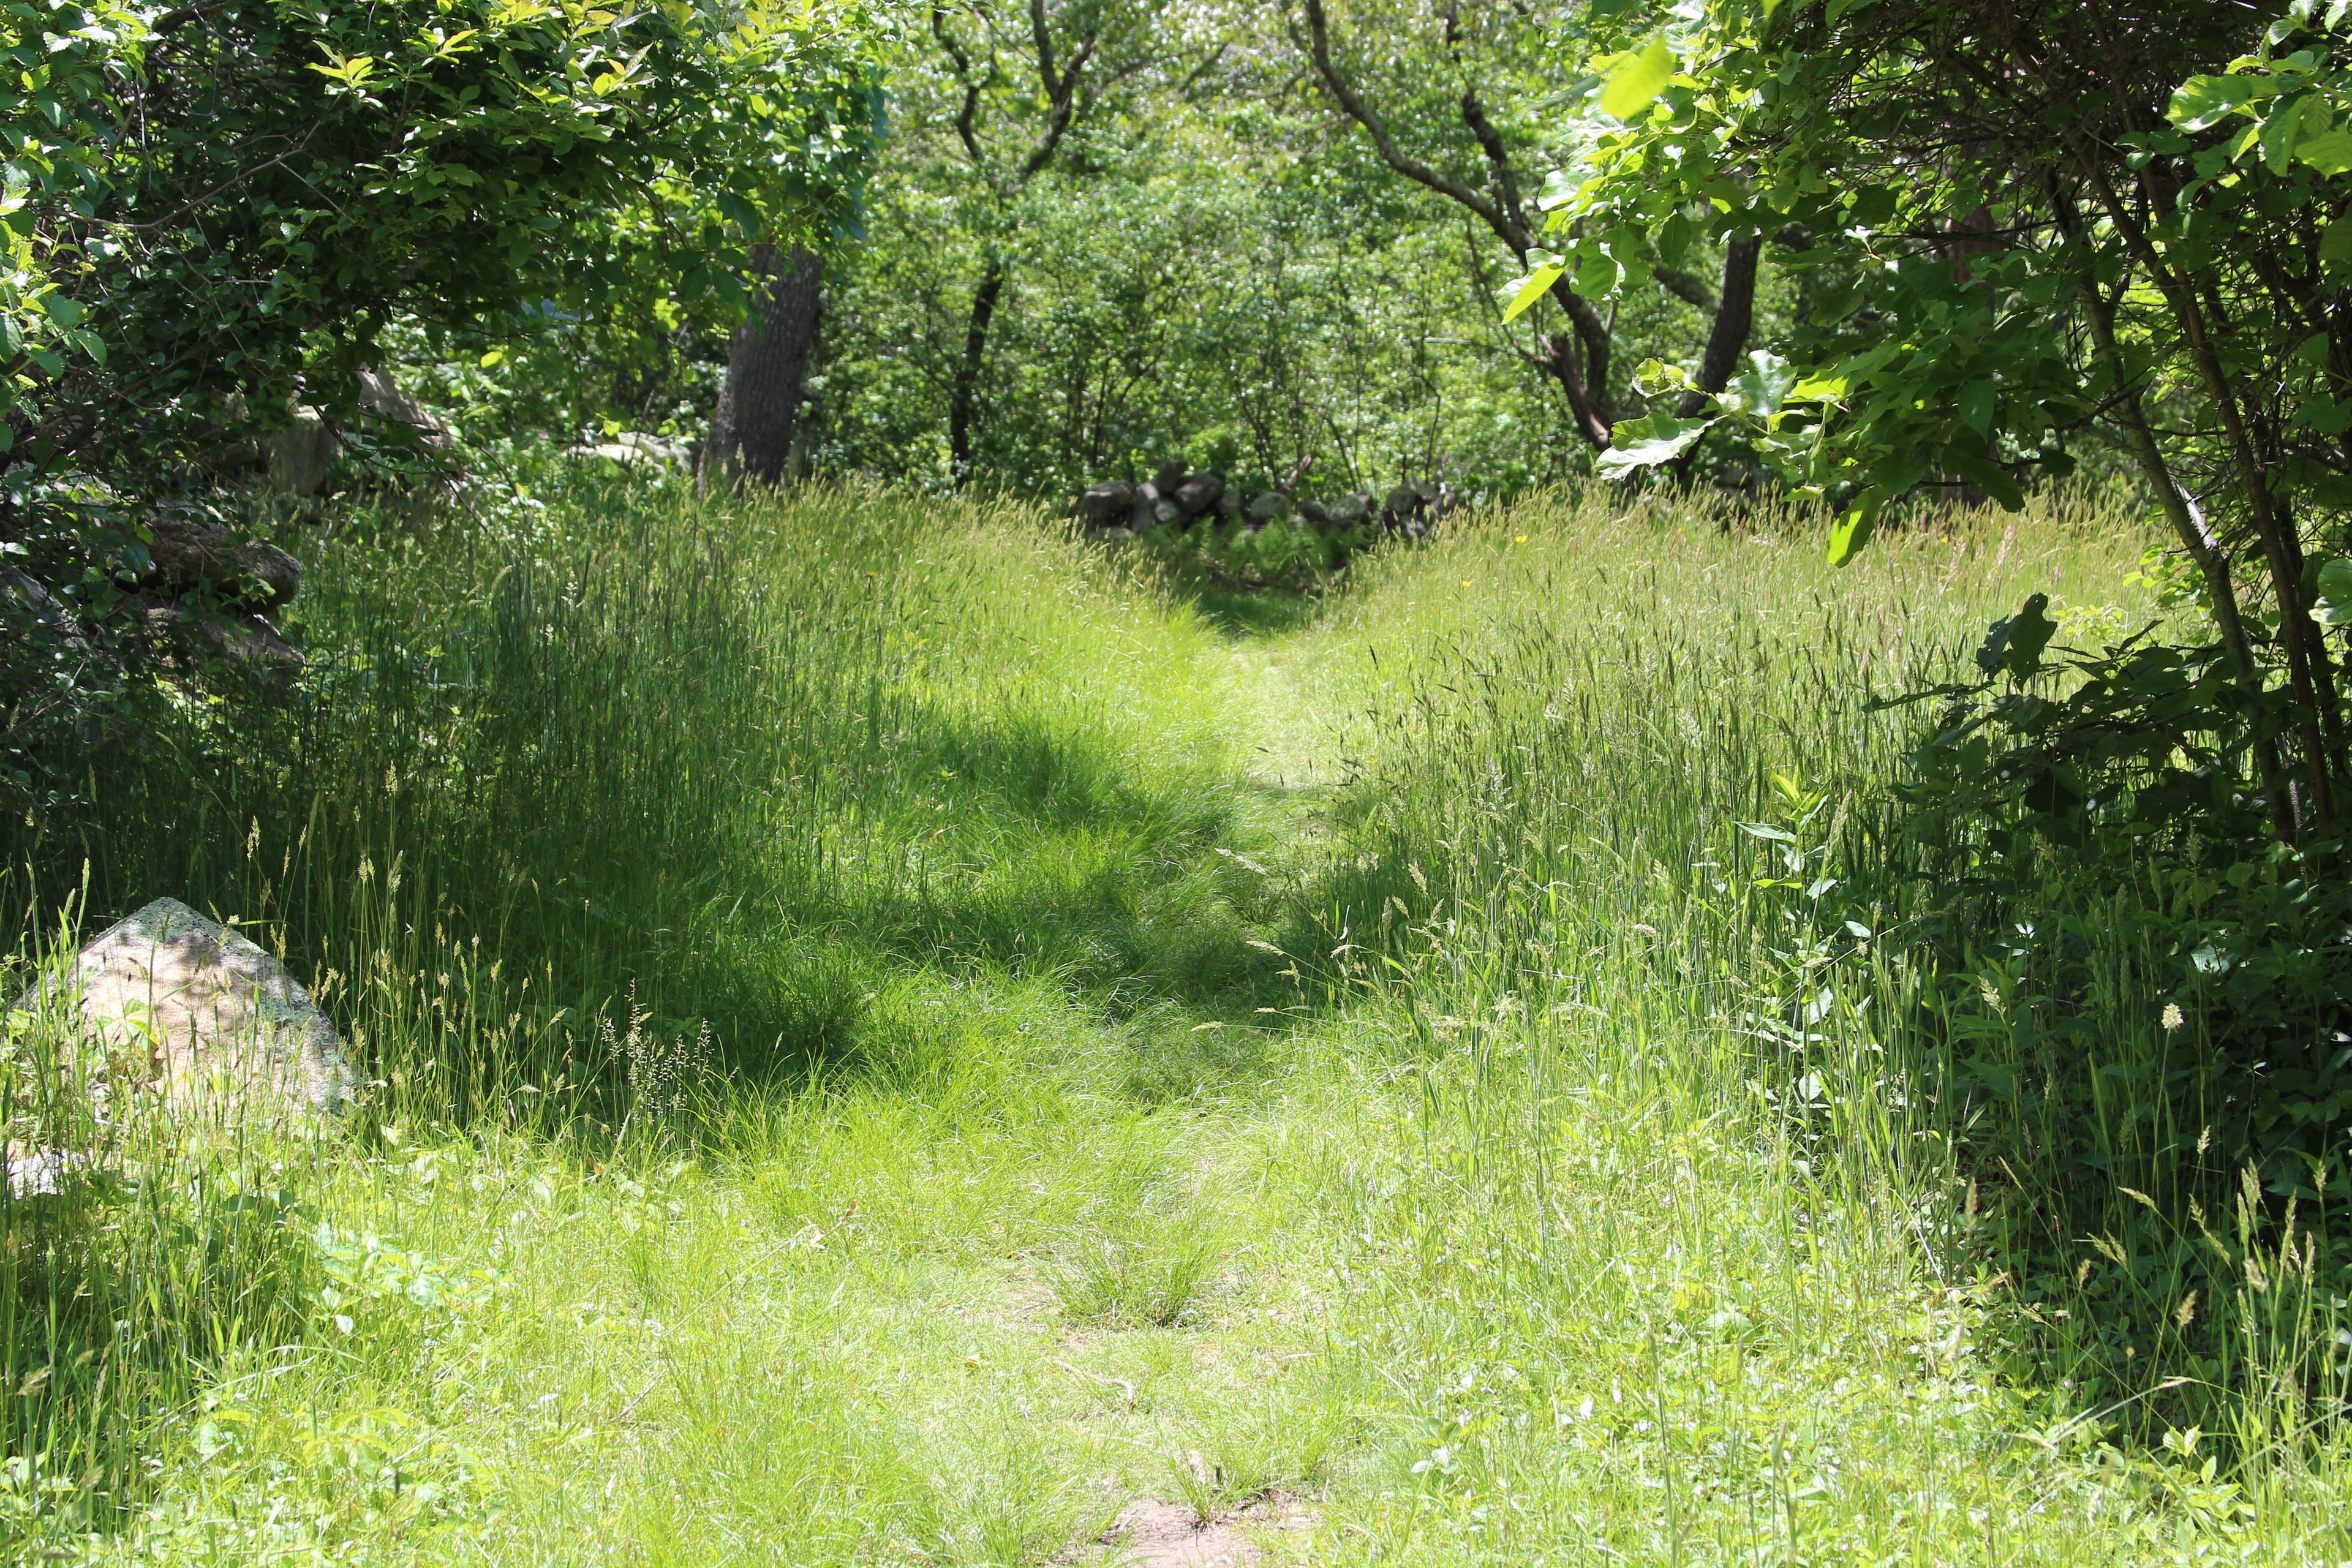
(896, 1033)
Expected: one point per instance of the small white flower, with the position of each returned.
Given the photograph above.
(2173, 1017)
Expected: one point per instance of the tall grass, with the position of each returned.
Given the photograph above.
(1621, 852)
(623, 799)
(728, 760)
(892, 1032)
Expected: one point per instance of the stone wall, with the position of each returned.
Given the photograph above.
(1176, 497)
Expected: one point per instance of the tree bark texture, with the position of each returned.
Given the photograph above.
(767, 370)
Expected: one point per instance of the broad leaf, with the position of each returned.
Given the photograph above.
(2015, 643)
(1855, 524)
(1764, 386)
(1977, 401)
(2335, 593)
(2330, 152)
(1645, 443)
(2282, 126)
(2206, 100)
(2336, 246)
(1991, 478)
(2324, 414)
(1532, 288)
(1637, 80)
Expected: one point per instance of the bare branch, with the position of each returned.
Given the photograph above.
(1490, 142)
(1065, 110)
(1411, 168)
(1042, 36)
(966, 119)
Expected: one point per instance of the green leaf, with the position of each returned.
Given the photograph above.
(1977, 401)
(2335, 591)
(2281, 128)
(1762, 388)
(1673, 238)
(2335, 245)
(1991, 478)
(2016, 643)
(1647, 442)
(1637, 80)
(2330, 152)
(2206, 100)
(1871, 207)
(1855, 524)
(2322, 413)
(1536, 285)
(1599, 274)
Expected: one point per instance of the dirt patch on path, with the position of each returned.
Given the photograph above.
(1155, 1534)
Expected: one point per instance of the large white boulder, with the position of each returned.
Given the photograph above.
(214, 1020)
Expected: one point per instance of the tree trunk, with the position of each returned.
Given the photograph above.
(1734, 319)
(1727, 337)
(963, 400)
(767, 367)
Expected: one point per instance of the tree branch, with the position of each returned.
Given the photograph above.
(1735, 317)
(966, 126)
(1064, 108)
(1042, 37)
(1490, 142)
(1411, 168)
(1587, 384)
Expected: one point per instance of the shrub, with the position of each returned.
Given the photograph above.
(2141, 994)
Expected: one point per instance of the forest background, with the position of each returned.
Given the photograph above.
(1096, 240)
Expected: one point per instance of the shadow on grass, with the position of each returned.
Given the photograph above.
(1239, 609)
(492, 836)
(516, 942)
(1008, 849)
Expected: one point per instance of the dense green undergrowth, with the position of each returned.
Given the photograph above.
(895, 1034)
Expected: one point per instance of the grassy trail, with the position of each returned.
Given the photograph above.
(965, 1308)
(1295, 1067)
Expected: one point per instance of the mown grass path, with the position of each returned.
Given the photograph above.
(998, 1333)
